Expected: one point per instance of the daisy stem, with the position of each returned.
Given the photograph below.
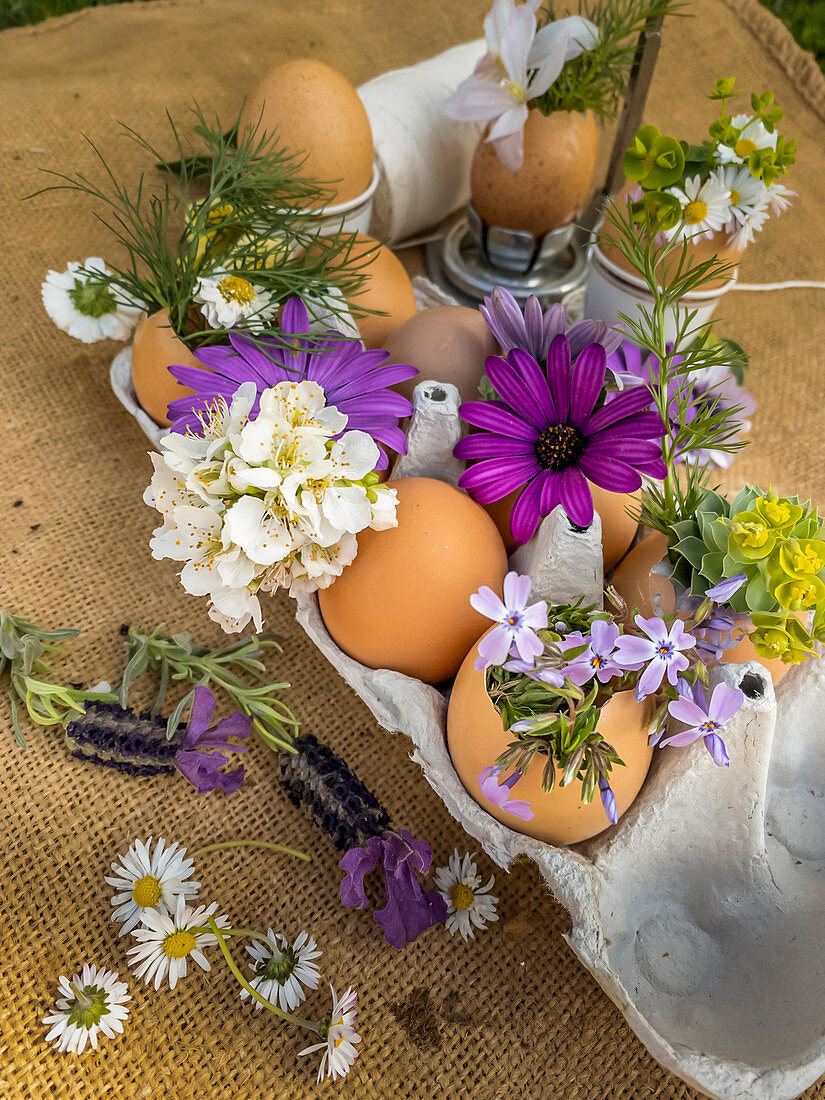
(253, 844)
(309, 1025)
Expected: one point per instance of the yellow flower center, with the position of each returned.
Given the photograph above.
(804, 594)
(178, 944)
(744, 147)
(807, 561)
(777, 512)
(735, 197)
(461, 896)
(756, 534)
(235, 289)
(146, 892)
(775, 642)
(696, 212)
(518, 93)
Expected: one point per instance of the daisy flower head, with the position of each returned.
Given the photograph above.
(83, 303)
(91, 1002)
(147, 881)
(468, 902)
(282, 972)
(705, 207)
(227, 299)
(549, 434)
(338, 1046)
(169, 940)
(753, 135)
(748, 204)
(779, 199)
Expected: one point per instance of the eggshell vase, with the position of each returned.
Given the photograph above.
(553, 184)
(476, 738)
(155, 347)
(699, 914)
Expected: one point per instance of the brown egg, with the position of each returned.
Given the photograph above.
(445, 344)
(155, 347)
(553, 184)
(641, 590)
(404, 603)
(386, 287)
(315, 111)
(618, 529)
(699, 251)
(476, 738)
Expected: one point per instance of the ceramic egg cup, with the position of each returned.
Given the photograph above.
(699, 913)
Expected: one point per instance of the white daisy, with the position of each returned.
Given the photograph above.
(748, 203)
(339, 1044)
(87, 308)
(468, 902)
(145, 881)
(91, 1001)
(226, 299)
(705, 207)
(167, 941)
(753, 135)
(281, 972)
(779, 198)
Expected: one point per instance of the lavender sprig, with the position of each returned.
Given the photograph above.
(359, 825)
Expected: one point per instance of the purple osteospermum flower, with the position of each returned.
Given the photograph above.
(547, 436)
(635, 366)
(534, 329)
(661, 650)
(517, 623)
(705, 720)
(355, 381)
(608, 800)
(499, 793)
(597, 659)
(203, 768)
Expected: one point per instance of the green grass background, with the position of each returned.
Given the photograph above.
(804, 18)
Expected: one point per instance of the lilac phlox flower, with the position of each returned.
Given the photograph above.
(597, 658)
(534, 329)
(202, 754)
(608, 799)
(499, 793)
(549, 433)
(717, 634)
(661, 650)
(355, 381)
(705, 720)
(409, 910)
(517, 623)
(722, 592)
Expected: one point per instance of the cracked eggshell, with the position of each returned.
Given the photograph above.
(642, 589)
(404, 602)
(475, 738)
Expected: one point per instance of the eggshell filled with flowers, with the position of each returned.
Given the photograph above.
(403, 603)
(445, 344)
(155, 348)
(552, 185)
(476, 738)
(313, 110)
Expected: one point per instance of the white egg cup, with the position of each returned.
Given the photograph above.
(611, 291)
(699, 914)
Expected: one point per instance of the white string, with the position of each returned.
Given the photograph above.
(793, 285)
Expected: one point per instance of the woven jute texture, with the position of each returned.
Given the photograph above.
(511, 1014)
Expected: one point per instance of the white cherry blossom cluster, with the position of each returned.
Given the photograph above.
(266, 503)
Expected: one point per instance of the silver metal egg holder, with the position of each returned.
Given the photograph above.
(699, 914)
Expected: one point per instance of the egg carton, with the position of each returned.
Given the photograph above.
(699, 914)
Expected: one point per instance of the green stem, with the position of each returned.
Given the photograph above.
(253, 844)
(309, 1025)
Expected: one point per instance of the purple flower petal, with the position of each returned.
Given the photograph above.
(575, 496)
(491, 480)
(526, 514)
(510, 385)
(558, 375)
(587, 383)
(716, 747)
(610, 473)
(491, 446)
(722, 592)
(495, 418)
(724, 703)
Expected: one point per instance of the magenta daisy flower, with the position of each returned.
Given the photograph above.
(355, 381)
(549, 433)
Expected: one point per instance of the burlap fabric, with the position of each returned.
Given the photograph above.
(511, 1014)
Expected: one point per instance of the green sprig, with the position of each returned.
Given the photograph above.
(178, 659)
(23, 651)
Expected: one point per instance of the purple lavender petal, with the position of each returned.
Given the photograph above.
(356, 864)
(203, 707)
(236, 725)
(203, 771)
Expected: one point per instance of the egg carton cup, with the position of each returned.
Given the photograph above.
(699, 914)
